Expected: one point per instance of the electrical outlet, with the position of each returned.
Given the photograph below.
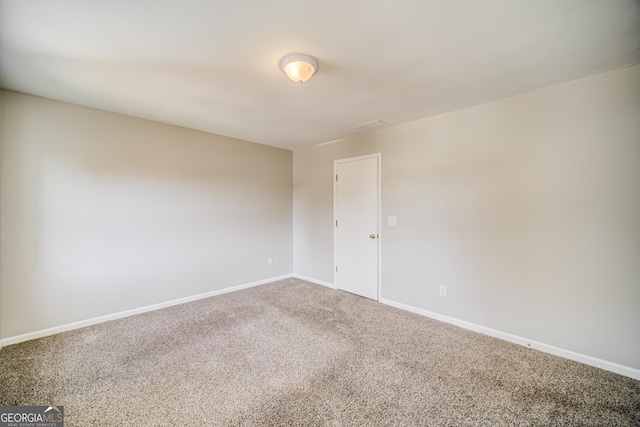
(269, 261)
(443, 291)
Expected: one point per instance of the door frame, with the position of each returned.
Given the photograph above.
(378, 157)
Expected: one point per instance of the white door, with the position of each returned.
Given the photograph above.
(356, 195)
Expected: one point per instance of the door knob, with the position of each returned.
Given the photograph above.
(372, 236)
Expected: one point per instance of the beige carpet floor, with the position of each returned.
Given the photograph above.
(291, 353)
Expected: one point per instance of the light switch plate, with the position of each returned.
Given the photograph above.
(392, 220)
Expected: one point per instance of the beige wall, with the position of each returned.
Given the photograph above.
(527, 208)
(103, 213)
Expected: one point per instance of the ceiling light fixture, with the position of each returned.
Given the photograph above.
(299, 68)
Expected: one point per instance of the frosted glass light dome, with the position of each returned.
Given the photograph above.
(299, 68)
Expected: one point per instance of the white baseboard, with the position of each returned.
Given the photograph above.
(567, 354)
(83, 323)
(312, 280)
(556, 351)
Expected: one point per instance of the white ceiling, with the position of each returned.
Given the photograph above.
(213, 65)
